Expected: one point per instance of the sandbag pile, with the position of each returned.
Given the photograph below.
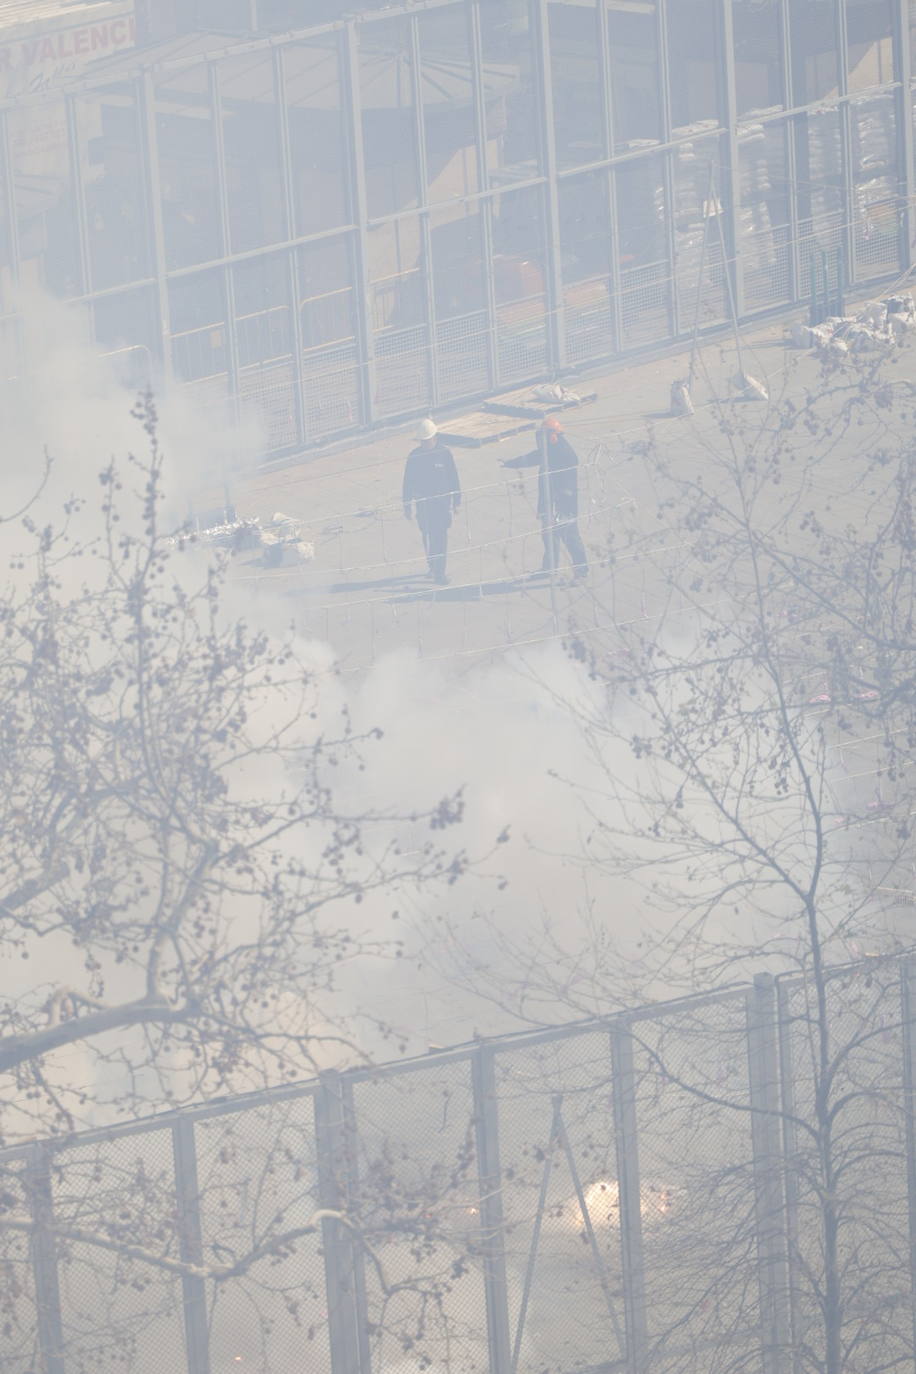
(876, 325)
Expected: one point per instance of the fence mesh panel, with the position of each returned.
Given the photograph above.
(539, 1205)
(420, 1205)
(119, 1312)
(19, 1352)
(258, 1181)
(558, 1152)
(866, 1131)
(697, 1186)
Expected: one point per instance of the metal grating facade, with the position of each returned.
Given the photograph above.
(349, 223)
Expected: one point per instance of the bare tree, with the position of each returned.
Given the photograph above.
(180, 882)
(757, 742)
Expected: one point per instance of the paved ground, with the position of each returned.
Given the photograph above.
(366, 591)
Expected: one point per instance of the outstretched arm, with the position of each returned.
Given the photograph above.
(455, 481)
(407, 492)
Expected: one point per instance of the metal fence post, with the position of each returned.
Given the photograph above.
(629, 1194)
(190, 1246)
(44, 1261)
(348, 1325)
(489, 1174)
(908, 1020)
(769, 1199)
(790, 1155)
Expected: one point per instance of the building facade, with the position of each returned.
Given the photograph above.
(334, 221)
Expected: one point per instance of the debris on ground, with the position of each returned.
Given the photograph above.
(278, 539)
(876, 325)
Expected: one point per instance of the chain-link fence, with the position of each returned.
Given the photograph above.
(722, 1183)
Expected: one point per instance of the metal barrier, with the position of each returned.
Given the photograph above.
(641, 1192)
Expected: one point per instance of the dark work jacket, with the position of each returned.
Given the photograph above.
(562, 464)
(431, 480)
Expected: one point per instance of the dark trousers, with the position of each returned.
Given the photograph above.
(434, 529)
(565, 532)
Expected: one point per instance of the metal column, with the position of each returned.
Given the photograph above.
(769, 1198)
(906, 174)
(190, 1246)
(556, 306)
(344, 1278)
(146, 107)
(489, 1174)
(908, 1022)
(362, 294)
(790, 1156)
(629, 1194)
(736, 265)
(44, 1261)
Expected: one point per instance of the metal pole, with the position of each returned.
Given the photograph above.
(908, 1019)
(553, 276)
(536, 1233)
(769, 1203)
(904, 124)
(146, 108)
(590, 1236)
(629, 1195)
(190, 1246)
(489, 1175)
(44, 1261)
(365, 328)
(730, 114)
(547, 524)
(346, 1294)
(790, 1155)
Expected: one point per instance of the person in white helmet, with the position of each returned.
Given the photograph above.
(432, 489)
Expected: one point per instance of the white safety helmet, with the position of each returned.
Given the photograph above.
(426, 430)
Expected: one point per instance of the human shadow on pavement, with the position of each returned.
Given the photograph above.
(379, 584)
(471, 591)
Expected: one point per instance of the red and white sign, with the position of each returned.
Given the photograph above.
(50, 55)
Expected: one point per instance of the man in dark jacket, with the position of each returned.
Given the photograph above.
(558, 498)
(431, 486)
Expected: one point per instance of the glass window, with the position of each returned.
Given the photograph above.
(819, 169)
(317, 134)
(694, 64)
(869, 43)
(585, 231)
(396, 274)
(632, 39)
(645, 271)
(263, 318)
(197, 308)
(511, 100)
(325, 278)
(813, 38)
(45, 198)
(699, 217)
(875, 181)
(458, 266)
(386, 84)
(251, 134)
(187, 163)
(763, 212)
(127, 332)
(447, 94)
(111, 154)
(641, 212)
(578, 107)
(758, 55)
(519, 252)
